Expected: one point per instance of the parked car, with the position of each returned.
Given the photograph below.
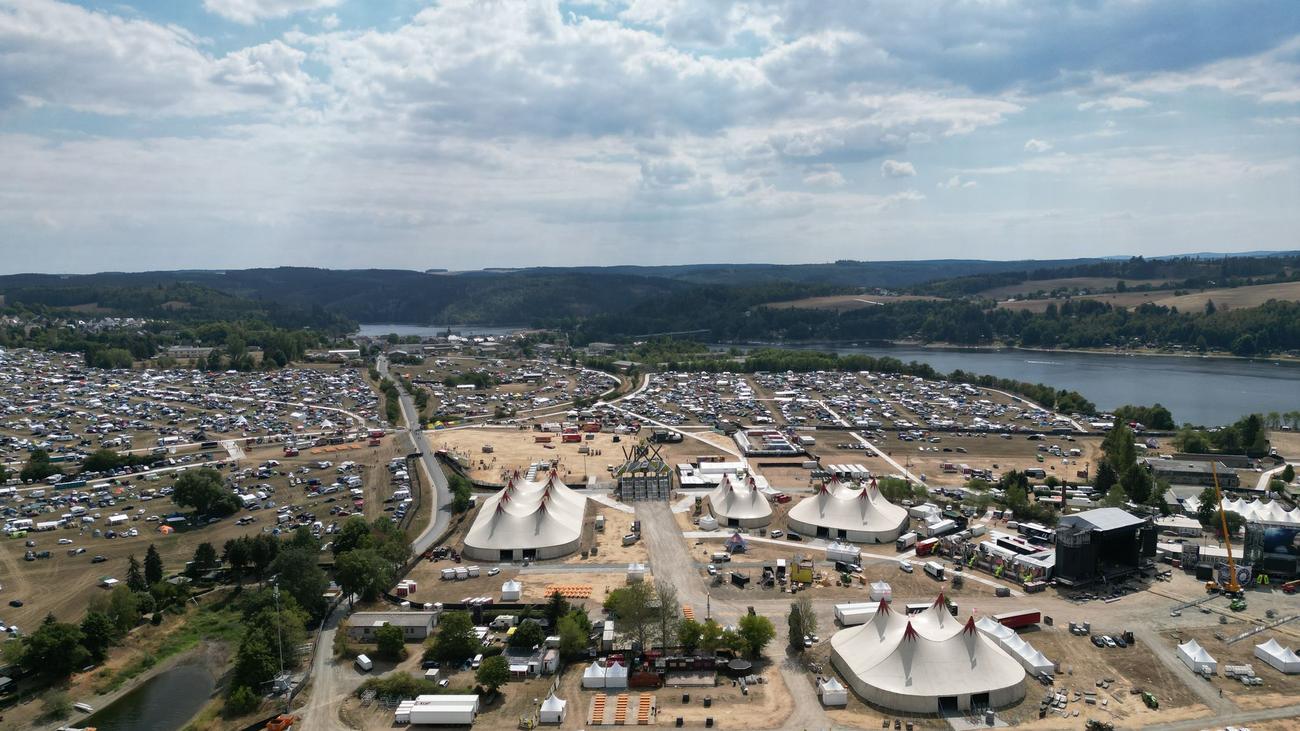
(1096, 640)
(98, 559)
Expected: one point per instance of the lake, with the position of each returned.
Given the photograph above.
(1209, 391)
(165, 702)
(372, 329)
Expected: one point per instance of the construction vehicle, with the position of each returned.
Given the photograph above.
(1230, 588)
(1291, 587)
(1096, 725)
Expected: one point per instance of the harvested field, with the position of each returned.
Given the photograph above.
(1115, 299)
(1093, 284)
(1234, 297)
(846, 302)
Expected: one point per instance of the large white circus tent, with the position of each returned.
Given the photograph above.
(738, 503)
(527, 519)
(926, 663)
(846, 511)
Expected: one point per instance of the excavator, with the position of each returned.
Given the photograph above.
(1230, 588)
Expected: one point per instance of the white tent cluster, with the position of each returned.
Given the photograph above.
(737, 502)
(849, 512)
(1282, 659)
(542, 519)
(915, 663)
(1033, 660)
(1254, 511)
(600, 676)
(1196, 657)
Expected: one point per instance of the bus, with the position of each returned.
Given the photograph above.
(1036, 532)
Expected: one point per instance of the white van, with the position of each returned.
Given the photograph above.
(364, 664)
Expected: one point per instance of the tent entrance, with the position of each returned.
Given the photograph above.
(947, 704)
(733, 522)
(979, 701)
(530, 554)
(823, 532)
(507, 554)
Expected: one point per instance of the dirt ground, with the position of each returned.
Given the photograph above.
(1287, 443)
(1278, 689)
(609, 544)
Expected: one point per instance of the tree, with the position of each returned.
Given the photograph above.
(667, 609)
(1136, 481)
(55, 649)
(710, 635)
(1119, 447)
(352, 535)
(1116, 498)
(1288, 474)
(801, 621)
(256, 660)
(390, 643)
(528, 635)
(236, 552)
(203, 490)
(299, 575)
(242, 700)
(205, 560)
(38, 466)
(689, 633)
(493, 673)
(573, 638)
(263, 550)
(134, 576)
(633, 606)
(153, 565)
(363, 572)
(1207, 509)
(102, 460)
(455, 642)
(97, 634)
(556, 606)
(757, 631)
(1106, 477)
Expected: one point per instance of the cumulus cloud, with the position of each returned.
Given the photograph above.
(897, 169)
(1115, 104)
(248, 12)
(956, 181)
(824, 176)
(1037, 145)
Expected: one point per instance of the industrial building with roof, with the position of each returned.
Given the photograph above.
(926, 663)
(1193, 472)
(527, 520)
(1106, 543)
(738, 503)
(848, 512)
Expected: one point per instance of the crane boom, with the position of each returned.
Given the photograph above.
(1232, 587)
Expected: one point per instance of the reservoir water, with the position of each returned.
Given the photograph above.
(1209, 391)
(372, 329)
(165, 702)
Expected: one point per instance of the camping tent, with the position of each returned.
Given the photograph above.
(511, 590)
(1195, 657)
(594, 676)
(616, 676)
(1282, 659)
(833, 692)
(553, 710)
(880, 591)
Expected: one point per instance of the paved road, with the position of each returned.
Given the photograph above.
(669, 560)
(440, 511)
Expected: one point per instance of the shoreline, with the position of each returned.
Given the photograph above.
(998, 348)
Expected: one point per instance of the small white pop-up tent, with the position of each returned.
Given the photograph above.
(553, 710)
(1195, 657)
(1282, 659)
(880, 591)
(833, 692)
(616, 676)
(708, 522)
(511, 590)
(594, 676)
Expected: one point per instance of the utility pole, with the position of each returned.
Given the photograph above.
(279, 640)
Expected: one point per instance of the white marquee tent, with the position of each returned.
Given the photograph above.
(924, 662)
(1196, 657)
(833, 692)
(1032, 659)
(738, 503)
(1282, 659)
(849, 512)
(553, 710)
(996, 630)
(511, 590)
(1257, 511)
(594, 676)
(880, 591)
(616, 676)
(527, 519)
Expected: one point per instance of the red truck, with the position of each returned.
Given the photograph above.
(926, 547)
(1022, 618)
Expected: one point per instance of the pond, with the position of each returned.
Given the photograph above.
(165, 702)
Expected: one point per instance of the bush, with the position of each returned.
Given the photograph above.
(242, 700)
(55, 706)
(402, 685)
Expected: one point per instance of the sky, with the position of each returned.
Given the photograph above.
(219, 134)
